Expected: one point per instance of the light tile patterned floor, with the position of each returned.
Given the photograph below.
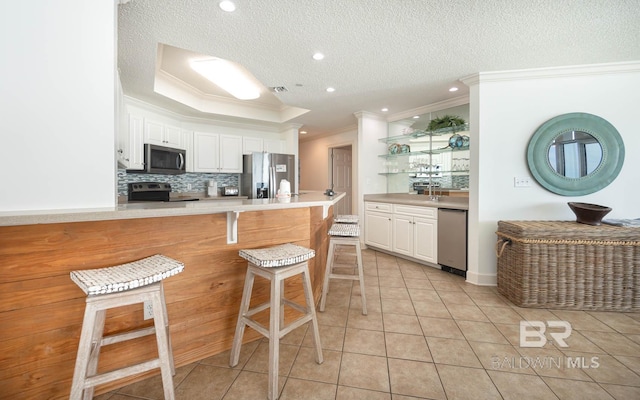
(428, 335)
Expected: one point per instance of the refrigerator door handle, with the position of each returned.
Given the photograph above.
(272, 182)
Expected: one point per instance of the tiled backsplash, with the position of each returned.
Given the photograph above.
(179, 183)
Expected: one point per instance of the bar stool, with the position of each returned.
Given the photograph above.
(347, 234)
(117, 286)
(346, 219)
(276, 264)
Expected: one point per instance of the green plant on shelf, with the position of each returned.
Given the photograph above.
(447, 121)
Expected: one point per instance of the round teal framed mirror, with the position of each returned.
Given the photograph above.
(575, 154)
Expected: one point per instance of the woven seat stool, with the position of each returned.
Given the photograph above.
(346, 219)
(276, 264)
(343, 235)
(117, 286)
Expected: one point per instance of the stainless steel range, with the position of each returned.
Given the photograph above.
(153, 191)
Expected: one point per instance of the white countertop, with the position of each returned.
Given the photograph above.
(160, 209)
(457, 203)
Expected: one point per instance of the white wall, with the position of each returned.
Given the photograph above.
(371, 128)
(57, 105)
(506, 109)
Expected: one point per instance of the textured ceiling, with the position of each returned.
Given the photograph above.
(400, 54)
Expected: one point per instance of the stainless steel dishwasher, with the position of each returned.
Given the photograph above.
(452, 240)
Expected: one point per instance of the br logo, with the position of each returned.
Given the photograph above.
(532, 333)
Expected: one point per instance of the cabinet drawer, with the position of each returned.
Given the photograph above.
(383, 207)
(427, 212)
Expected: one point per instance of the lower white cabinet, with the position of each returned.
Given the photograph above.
(415, 232)
(377, 225)
(408, 230)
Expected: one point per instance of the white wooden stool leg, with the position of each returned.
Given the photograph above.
(166, 319)
(282, 302)
(164, 352)
(327, 273)
(308, 295)
(274, 337)
(240, 325)
(84, 352)
(94, 355)
(361, 275)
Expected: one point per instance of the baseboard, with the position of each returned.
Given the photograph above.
(482, 279)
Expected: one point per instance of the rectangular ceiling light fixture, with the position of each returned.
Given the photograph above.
(227, 76)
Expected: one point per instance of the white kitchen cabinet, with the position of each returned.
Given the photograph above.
(252, 144)
(131, 143)
(230, 154)
(275, 146)
(377, 225)
(426, 239)
(162, 134)
(407, 230)
(187, 140)
(415, 232)
(403, 233)
(217, 153)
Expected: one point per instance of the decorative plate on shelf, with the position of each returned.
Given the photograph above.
(395, 148)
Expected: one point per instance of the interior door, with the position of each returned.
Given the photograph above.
(341, 177)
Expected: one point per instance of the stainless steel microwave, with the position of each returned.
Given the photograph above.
(164, 160)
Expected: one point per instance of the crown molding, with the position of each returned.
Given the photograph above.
(441, 105)
(171, 87)
(223, 122)
(552, 72)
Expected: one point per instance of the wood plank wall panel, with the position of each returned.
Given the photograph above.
(41, 309)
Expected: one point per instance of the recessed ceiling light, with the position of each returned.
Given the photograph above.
(331, 90)
(385, 109)
(453, 89)
(228, 76)
(318, 56)
(303, 132)
(227, 6)
(416, 116)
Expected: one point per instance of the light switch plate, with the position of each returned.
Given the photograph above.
(521, 182)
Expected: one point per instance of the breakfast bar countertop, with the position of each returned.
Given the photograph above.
(457, 203)
(168, 209)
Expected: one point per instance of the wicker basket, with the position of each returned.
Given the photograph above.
(567, 265)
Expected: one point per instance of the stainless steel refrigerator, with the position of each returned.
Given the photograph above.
(262, 173)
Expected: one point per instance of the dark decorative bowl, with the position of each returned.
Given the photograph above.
(590, 214)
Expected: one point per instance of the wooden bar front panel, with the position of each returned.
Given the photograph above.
(41, 309)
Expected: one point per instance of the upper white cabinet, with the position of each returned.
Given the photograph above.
(131, 143)
(162, 134)
(275, 146)
(216, 153)
(230, 154)
(252, 144)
